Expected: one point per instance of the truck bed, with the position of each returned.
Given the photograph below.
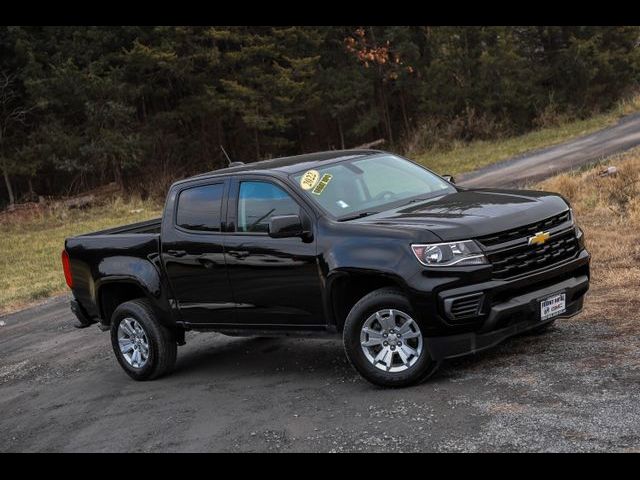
(148, 226)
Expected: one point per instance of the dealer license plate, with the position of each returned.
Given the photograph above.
(553, 306)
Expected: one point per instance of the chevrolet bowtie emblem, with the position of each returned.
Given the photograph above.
(539, 238)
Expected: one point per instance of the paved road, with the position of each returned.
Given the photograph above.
(540, 164)
(576, 387)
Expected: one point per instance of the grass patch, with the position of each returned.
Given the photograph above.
(30, 267)
(465, 157)
(608, 210)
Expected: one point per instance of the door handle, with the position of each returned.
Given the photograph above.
(177, 253)
(239, 253)
(206, 263)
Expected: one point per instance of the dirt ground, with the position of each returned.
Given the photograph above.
(575, 388)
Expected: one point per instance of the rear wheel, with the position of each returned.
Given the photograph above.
(144, 348)
(383, 341)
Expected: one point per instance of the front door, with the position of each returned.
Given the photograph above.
(193, 255)
(275, 281)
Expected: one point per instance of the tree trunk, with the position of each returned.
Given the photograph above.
(404, 111)
(385, 113)
(257, 139)
(32, 193)
(7, 182)
(117, 174)
(341, 132)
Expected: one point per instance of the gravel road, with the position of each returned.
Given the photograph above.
(575, 388)
(540, 164)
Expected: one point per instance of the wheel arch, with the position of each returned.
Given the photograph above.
(346, 287)
(113, 292)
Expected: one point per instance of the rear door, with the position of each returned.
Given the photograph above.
(193, 253)
(275, 281)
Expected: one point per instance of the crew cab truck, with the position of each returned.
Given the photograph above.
(407, 267)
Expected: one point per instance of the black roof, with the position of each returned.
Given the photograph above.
(292, 164)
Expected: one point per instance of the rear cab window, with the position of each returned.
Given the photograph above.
(200, 208)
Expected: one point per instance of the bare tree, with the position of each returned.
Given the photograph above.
(11, 115)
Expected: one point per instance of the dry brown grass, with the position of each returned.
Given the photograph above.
(608, 210)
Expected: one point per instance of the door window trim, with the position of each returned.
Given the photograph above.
(223, 207)
(234, 198)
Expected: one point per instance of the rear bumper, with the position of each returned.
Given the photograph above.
(83, 319)
(504, 320)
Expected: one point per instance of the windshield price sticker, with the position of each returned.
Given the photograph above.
(326, 178)
(309, 179)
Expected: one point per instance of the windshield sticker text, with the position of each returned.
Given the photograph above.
(326, 178)
(309, 179)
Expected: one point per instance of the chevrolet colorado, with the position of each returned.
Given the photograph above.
(408, 267)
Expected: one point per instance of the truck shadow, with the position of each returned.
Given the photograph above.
(264, 356)
(225, 357)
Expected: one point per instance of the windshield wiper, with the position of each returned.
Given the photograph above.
(414, 200)
(356, 215)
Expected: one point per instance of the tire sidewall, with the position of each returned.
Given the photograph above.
(135, 311)
(367, 306)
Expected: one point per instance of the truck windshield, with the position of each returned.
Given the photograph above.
(368, 185)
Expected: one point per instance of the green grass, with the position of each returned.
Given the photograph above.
(30, 246)
(465, 157)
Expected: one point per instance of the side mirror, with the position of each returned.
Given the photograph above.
(285, 226)
(449, 179)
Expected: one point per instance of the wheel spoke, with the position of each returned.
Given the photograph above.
(382, 356)
(391, 319)
(410, 335)
(403, 356)
(408, 350)
(135, 357)
(126, 345)
(406, 326)
(387, 322)
(374, 337)
(126, 327)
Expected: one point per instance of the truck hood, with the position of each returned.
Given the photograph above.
(472, 213)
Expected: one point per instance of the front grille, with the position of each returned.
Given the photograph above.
(525, 231)
(522, 259)
(465, 307)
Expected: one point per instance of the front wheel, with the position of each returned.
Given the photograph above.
(144, 348)
(383, 341)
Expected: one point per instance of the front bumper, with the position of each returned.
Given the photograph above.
(509, 318)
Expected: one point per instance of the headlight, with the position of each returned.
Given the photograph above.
(450, 253)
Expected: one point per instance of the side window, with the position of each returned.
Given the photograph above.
(258, 202)
(199, 208)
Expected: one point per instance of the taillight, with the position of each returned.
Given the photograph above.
(66, 266)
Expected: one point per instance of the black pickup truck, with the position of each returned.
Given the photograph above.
(408, 267)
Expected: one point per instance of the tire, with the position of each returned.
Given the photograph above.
(154, 338)
(366, 314)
